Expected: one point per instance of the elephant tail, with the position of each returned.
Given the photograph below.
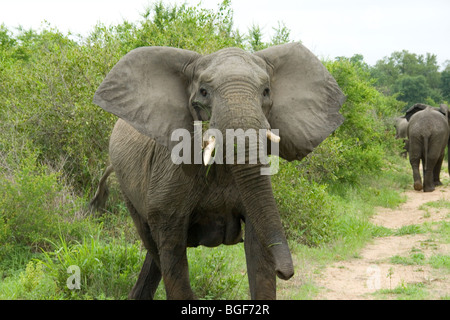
(98, 202)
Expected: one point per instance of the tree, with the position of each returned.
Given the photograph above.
(404, 72)
(445, 82)
(255, 39)
(282, 34)
(412, 89)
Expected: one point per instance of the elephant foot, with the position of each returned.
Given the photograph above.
(138, 293)
(438, 183)
(418, 186)
(428, 189)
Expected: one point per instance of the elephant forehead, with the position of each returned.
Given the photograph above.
(231, 64)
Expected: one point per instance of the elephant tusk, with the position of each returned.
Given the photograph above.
(272, 136)
(207, 152)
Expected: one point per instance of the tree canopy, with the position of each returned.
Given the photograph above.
(412, 78)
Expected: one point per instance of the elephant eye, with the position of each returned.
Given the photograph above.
(203, 92)
(266, 92)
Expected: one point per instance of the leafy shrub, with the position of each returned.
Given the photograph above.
(48, 101)
(218, 273)
(358, 146)
(35, 284)
(305, 206)
(33, 205)
(48, 87)
(108, 270)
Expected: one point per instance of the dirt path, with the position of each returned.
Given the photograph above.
(373, 270)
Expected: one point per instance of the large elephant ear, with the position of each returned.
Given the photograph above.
(148, 89)
(443, 108)
(414, 109)
(306, 99)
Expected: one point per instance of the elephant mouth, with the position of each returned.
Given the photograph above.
(210, 142)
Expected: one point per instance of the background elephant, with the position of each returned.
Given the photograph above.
(444, 109)
(401, 127)
(428, 134)
(156, 90)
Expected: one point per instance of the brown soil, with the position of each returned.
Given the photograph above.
(358, 278)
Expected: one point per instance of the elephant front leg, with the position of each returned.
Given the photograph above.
(437, 171)
(148, 280)
(429, 177)
(175, 273)
(171, 241)
(260, 267)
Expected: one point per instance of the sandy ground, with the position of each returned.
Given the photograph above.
(358, 278)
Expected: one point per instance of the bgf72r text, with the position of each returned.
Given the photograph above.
(247, 309)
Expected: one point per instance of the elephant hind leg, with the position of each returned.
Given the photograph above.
(431, 177)
(416, 174)
(437, 171)
(418, 185)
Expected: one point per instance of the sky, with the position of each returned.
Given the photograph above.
(329, 28)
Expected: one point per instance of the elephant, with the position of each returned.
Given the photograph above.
(156, 91)
(428, 134)
(401, 127)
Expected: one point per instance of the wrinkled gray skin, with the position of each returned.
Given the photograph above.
(401, 127)
(155, 90)
(428, 134)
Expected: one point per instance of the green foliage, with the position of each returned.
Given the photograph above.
(192, 28)
(359, 145)
(108, 269)
(413, 259)
(440, 261)
(411, 89)
(304, 205)
(445, 83)
(34, 205)
(255, 37)
(47, 89)
(282, 34)
(48, 101)
(31, 284)
(215, 276)
(409, 291)
(413, 78)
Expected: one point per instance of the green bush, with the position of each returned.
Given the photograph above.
(218, 273)
(47, 89)
(47, 100)
(305, 206)
(359, 145)
(34, 205)
(33, 283)
(108, 269)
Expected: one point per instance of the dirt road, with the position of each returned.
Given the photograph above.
(379, 265)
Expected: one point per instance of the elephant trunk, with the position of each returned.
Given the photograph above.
(241, 112)
(257, 197)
